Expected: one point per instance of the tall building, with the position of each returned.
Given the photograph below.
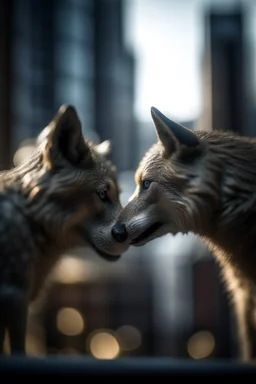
(114, 83)
(65, 51)
(52, 63)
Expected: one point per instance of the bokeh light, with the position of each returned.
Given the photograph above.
(129, 337)
(69, 321)
(201, 345)
(104, 345)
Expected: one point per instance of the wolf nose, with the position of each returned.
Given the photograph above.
(119, 233)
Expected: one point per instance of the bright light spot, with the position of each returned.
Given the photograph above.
(22, 154)
(103, 345)
(70, 271)
(129, 337)
(70, 322)
(201, 345)
(168, 56)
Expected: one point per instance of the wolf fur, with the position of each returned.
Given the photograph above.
(63, 196)
(204, 183)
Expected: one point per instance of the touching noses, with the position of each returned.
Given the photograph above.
(119, 233)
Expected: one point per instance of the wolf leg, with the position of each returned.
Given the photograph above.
(17, 332)
(17, 326)
(14, 307)
(246, 322)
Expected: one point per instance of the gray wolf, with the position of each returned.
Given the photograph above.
(64, 195)
(203, 183)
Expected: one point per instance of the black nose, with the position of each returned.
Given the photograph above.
(119, 233)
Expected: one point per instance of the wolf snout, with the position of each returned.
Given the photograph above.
(119, 233)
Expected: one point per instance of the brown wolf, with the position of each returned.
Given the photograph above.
(204, 183)
(65, 195)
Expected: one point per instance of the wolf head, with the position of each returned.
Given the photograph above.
(70, 188)
(177, 185)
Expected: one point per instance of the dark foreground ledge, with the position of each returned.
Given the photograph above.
(70, 367)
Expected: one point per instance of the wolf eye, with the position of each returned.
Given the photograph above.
(103, 195)
(145, 184)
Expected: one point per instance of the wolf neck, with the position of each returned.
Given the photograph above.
(27, 188)
(232, 230)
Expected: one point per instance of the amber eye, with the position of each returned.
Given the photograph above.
(146, 184)
(103, 195)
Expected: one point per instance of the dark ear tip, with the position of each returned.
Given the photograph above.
(67, 108)
(153, 111)
(68, 112)
(66, 116)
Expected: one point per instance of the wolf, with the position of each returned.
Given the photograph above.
(204, 183)
(65, 195)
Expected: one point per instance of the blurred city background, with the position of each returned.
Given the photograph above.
(113, 60)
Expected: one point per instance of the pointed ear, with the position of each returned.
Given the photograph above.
(171, 134)
(104, 148)
(64, 139)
